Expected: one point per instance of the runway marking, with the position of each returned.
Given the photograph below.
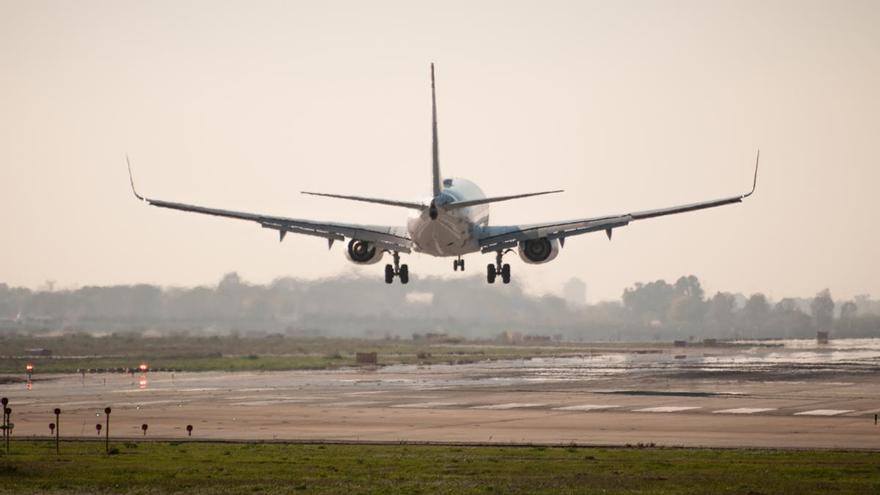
(267, 402)
(511, 405)
(823, 412)
(427, 405)
(286, 398)
(744, 410)
(666, 409)
(584, 407)
(353, 403)
(149, 403)
(79, 403)
(866, 411)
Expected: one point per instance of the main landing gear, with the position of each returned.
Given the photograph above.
(493, 271)
(401, 271)
(456, 264)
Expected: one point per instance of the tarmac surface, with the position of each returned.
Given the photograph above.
(792, 394)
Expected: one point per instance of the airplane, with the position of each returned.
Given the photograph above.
(453, 222)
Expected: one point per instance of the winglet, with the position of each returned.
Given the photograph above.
(755, 180)
(131, 179)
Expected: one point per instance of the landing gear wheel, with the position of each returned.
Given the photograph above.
(389, 274)
(505, 273)
(498, 268)
(403, 273)
(456, 264)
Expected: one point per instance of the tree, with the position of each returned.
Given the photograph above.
(649, 302)
(822, 308)
(721, 312)
(755, 313)
(788, 320)
(690, 287)
(848, 313)
(687, 307)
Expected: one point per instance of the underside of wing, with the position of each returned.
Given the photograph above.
(384, 237)
(497, 238)
(390, 238)
(505, 237)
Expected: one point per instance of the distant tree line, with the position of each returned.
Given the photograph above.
(684, 306)
(465, 307)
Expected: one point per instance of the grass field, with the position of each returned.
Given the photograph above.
(189, 467)
(272, 353)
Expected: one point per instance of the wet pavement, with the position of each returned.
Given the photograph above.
(761, 394)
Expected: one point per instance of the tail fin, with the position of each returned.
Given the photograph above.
(435, 169)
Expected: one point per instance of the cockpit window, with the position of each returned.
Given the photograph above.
(447, 182)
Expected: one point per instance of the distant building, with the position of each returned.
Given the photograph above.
(575, 292)
(39, 352)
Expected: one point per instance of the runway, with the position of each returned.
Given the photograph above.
(761, 397)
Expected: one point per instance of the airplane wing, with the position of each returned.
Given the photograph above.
(390, 238)
(505, 237)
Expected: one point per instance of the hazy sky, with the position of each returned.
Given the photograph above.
(626, 105)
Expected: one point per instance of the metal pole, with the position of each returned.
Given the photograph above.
(107, 430)
(57, 430)
(4, 401)
(8, 412)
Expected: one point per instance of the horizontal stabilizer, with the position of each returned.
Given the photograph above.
(389, 202)
(483, 201)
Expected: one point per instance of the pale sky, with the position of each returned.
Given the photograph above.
(626, 105)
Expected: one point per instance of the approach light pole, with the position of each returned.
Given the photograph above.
(189, 430)
(107, 430)
(7, 414)
(57, 429)
(4, 402)
(144, 427)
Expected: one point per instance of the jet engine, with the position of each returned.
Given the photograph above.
(363, 252)
(537, 251)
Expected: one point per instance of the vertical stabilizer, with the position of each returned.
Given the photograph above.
(435, 151)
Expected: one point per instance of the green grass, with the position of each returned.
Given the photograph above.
(272, 353)
(160, 467)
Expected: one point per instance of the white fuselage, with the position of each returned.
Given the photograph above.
(453, 232)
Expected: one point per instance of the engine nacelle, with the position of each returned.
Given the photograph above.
(363, 252)
(537, 251)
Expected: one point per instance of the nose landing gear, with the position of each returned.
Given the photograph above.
(493, 271)
(456, 264)
(401, 271)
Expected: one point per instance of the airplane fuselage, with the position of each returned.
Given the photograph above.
(453, 232)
